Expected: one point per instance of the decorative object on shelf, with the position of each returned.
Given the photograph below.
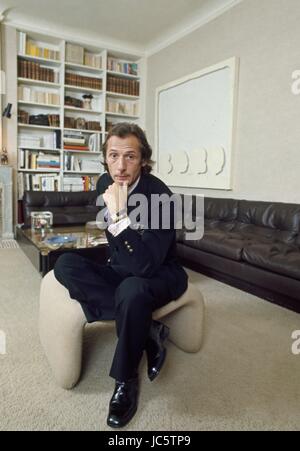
(39, 119)
(4, 157)
(47, 120)
(41, 221)
(87, 101)
(7, 111)
(80, 123)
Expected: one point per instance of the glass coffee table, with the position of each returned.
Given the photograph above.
(43, 249)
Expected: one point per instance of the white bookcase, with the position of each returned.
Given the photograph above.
(53, 76)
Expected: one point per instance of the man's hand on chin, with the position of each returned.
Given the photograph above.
(115, 198)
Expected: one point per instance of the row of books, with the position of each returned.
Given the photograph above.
(46, 120)
(77, 141)
(48, 140)
(37, 182)
(28, 94)
(31, 48)
(77, 54)
(83, 81)
(123, 86)
(92, 60)
(85, 183)
(29, 159)
(35, 71)
(81, 123)
(116, 65)
(114, 106)
(78, 164)
(41, 52)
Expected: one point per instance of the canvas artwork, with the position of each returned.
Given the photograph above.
(195, 120)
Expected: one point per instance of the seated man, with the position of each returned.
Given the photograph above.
(141, 275)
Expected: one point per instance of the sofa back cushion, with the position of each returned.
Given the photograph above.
(274, 215)
(68, 208)
(220, 209)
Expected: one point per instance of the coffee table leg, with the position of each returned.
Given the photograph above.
(44, 264)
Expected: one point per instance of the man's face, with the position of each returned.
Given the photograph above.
(124, 160)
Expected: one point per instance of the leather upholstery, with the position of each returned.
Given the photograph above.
(68, 208)
(263, 235)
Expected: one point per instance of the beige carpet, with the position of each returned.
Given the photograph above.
(245, 377)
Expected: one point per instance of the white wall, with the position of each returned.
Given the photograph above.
(265, 35)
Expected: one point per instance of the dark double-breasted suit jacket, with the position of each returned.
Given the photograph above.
(142, 251)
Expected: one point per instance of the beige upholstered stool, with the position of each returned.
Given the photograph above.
(62, 321)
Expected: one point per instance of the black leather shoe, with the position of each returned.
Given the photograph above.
(123, 403)
(155, 350)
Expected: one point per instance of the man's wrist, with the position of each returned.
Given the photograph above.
(118, 216)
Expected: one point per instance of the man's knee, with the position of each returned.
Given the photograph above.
(134, 293)
(64, 265)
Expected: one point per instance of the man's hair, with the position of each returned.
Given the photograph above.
(124, 129)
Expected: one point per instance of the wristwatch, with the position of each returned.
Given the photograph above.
(122, 214)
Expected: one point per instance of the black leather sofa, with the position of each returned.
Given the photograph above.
(68, 208)
(254, 246)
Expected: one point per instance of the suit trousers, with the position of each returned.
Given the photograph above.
(106, 295)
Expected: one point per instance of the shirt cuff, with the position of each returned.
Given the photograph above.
(118, 227)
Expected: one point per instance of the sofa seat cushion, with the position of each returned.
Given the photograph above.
(219, 243)
(212, 225)
(277, 257)
(264, 234)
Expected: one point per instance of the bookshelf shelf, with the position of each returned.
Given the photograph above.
(82, 130)
(83, 67)
(40, 171)
(128, 116)
(30, 81)
(40, 149)
(42, 105)
(122, 74)
(83, 90)
(83, 110)
(81, 172)
(37, 59)
(86, 152)
(38, 127)
(121, 96)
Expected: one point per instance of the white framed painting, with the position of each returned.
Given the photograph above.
(195, 127)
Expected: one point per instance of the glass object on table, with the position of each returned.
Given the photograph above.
(41, 221)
